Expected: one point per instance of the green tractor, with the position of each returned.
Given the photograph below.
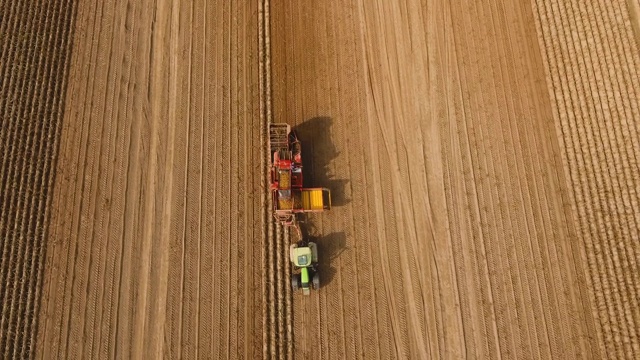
(304, 256)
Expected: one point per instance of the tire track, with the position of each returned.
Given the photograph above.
(534, 194)
(488, 334)
(366, 293)
(232, 182)
(115, 204)
(480, 174)
(96, 276)
(209, 181)
(341, 100)
(68, 177)
(175, 286)
(190, 236)
(515, 213)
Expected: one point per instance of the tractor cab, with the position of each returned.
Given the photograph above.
(302, 257)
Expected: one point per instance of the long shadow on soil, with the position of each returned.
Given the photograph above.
(318, 151)
(329, 248)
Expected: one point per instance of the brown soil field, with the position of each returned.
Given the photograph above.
(35, 47)
(482, 158)
(452, 233)
(593, 66)
(156, 216)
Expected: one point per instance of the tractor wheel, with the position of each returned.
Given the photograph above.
(295, 282)
(316, 281)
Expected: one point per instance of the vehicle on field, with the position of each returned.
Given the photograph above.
(287, 191)
(305, 275)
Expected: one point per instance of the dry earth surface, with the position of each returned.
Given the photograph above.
(35, 48)
(156, 212)
(452, 234)
(592, 60)
(483, 161)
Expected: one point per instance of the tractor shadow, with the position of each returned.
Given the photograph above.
(318, 151)
(329, 248)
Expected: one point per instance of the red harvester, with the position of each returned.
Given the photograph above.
(289, 196)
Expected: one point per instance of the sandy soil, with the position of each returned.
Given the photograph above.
(593, 66)
(452, 233)
(156, 213)
(35, 47)
(482, 159)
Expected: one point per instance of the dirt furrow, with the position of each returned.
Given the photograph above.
(18, 55)
(85, 258)
(564, 127)
(599, 55)
(58, 89)
(209, 170)
(288, 303)
(20, 268)
(340, 102)
(15, 168)
(192, 215)
(482, 158)
(281, 242)
(35, 57)
(111, 209)
(55, 288)
(13, 57)
(469, 222)
(98, 254)
(515, 211)
(612, 155)
(20, 193)
(267, 222)
(48, 144)
(276, 328)
(217, 209)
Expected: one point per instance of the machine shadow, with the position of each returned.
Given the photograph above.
(329, 248)
(318, 152)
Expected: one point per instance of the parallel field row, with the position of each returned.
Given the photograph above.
(591, 53)
(35, 47)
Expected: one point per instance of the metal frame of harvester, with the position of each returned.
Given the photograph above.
(288, 194)
(290, 198)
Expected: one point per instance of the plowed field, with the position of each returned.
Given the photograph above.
(452, 234)
(593, 67)
(482, 158)
(35, 48)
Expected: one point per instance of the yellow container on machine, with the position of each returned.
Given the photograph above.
(312, 199)
(289, 202)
